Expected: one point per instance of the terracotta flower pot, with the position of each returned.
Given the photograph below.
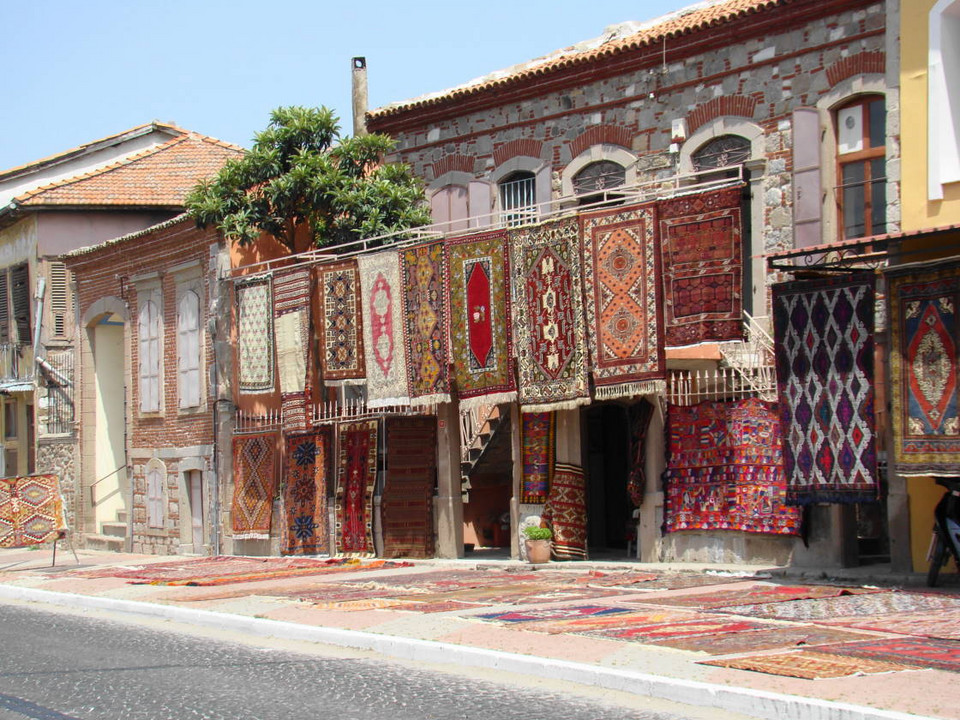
(538, 551)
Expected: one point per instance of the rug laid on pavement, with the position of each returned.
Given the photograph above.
(942, 623)
(341, 326)
(481, 338)
(541, 614)
(639, 414)
(725, 469)
(291, 307)
(31, 510)
(381, 303)
(548, 317)
(426, 330)
(922, 316)
(612, 622)
(877, 603)
(648, 633)
(307, 459)
(765, 638)
(621, 275)
(406, 510)
(808, 664)
(254, 335)
(565, 512)
(435, 607)
(823, 343)
(356, 478)
(537, 453)
(700, 249)
(756, 594)
(920, 652)
(255, 485)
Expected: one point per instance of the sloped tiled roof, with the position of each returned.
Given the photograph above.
(158, 177)
(617, 39)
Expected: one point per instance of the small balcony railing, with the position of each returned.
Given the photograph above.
(16, 363)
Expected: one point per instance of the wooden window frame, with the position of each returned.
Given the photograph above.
(873, 224)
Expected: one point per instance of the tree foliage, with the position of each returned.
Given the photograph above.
(301, 175)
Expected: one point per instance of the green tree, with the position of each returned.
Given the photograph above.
(301, 173)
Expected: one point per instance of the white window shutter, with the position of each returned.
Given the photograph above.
(149, 327)
(188, 341)
(154, 498)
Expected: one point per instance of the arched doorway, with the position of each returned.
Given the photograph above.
(106, 453)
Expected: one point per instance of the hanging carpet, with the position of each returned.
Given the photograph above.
(341, 334)
(291, 306)
(305, 530)
(700, 247)
(255, 335)
(924, 336)
(356, 479)
(478, 289)
(620, 277)
(425, 323)
(548, 316)
(537, 448)
(31, 510)
(823, 332)
(407, 502)
(725, 469)
(382, 307)
(565, 512)
(255, 483)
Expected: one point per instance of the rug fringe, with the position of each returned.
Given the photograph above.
(389, 402)
(435, 399)
(560, 405)
(644, 387)
(494, 399)
(251, 536)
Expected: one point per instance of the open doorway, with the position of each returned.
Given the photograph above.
(609, 509)
(108, 488)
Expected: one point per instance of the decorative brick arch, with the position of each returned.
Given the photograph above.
(526, 147)
(600, 135)
(453, 163)
(725, 105)
(865, 63)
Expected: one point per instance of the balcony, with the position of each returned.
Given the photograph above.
(16, 367)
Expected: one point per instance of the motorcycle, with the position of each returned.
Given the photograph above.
(946, 529)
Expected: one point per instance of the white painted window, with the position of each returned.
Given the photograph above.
(150, 351)
(155, 475)
(188, 349)
(943, 107)
(518, 199)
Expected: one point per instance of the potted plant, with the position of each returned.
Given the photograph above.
(537, 543)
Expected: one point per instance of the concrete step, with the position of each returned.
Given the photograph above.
(109, 543)
(114, 529)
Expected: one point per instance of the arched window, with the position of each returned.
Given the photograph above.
(188, 349)
(593, 183)
(518, 198)
(861, 166)
(156, 473)
(723, 154)
(150, 353)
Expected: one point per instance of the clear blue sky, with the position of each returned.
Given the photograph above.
(79, 70)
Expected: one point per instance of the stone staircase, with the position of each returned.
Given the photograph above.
(477, 429)
(112, 536)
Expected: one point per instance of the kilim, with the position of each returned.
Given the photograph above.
(700, 248)
(255, 483)
(537, 449)
(541, 614)
(31, 510)
(760, 593)
(770, 637)
(725, 469)
(425, 323)
(832, 608)
(655, 632)
(808, 664)
(356, 478)
(639, 414)
(565, 512)
(944, 624)
(924, 336)
(407, 502)
(305, 530)
(480, 324)
(291, 307)
(255, 335)
(620, 277)
(548, 316)
(341, 332)
(382, 306)
(823, 332)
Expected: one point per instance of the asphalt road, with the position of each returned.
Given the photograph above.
(57, 665)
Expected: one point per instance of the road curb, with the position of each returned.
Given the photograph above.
(755, 703)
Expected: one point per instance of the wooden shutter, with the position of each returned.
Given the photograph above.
(20, 296)
(58, 298)
(807, 200)
(155, 498)
(188, 347)
(149, 329)
(4, 308)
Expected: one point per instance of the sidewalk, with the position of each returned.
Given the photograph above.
(646, 629)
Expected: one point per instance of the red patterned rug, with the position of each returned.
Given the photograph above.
(725, 469)
(386, 365)
(846, 606)
(920, 652)
(756, 594)
(700, 247)
(31, 510)
(766, 638)
(407, 502)
(943, 623)
(548, 316)
(341, 326)
(648, 633)
(356, 477)
(481, 339)
(621, 275)
(540, 615)
(426, 331)
(305, 531)
(565, 512)
(291, 307)
(537, 447)
(809, 665)
(255, 484)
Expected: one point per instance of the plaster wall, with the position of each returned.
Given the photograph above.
(62, 231)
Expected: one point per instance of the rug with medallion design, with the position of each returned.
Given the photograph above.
(341, 325)
(255, 484)
(426, 331)
(31, 510)
(356, 479)
(384, 352)
(307, 460)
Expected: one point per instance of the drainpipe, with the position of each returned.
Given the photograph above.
(359, 88)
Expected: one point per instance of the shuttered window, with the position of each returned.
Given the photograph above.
(20, 297)
(188, 349)
(4, 308)
(155, 497)
(58, 298)
(150, 349)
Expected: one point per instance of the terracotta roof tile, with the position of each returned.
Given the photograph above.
(157, 177)
(618, 39)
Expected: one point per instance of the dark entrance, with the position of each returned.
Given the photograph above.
(609, 510)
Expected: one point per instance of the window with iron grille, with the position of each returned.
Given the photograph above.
(593, 183)
(724, 154)
(59, 393)
(518, 199)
